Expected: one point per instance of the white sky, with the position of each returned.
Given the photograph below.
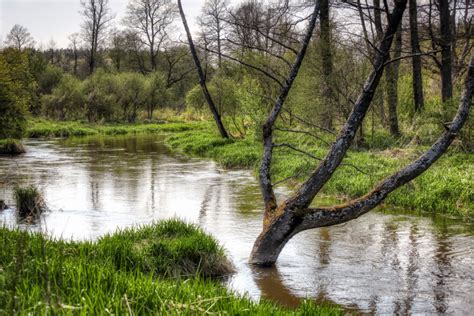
(57, 19)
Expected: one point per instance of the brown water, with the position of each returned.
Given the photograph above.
(381, 263)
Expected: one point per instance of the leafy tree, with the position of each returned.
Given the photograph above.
(12, 105)
(67, 100)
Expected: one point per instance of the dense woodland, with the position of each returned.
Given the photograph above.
(133, 69)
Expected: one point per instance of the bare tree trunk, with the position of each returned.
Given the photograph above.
(416, 60)
(282, 222)
(391, 76)
(446, 52)
(75, 63)
(202, 78)
(379, 35)
(326, 57)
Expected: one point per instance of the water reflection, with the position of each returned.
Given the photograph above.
(382, 263)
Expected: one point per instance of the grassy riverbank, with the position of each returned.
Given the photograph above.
(156, 269)
(446, 188)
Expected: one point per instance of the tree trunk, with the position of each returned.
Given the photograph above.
(202, 78)
(378, 36)
(391, 76)
(326, 58)
(416, 60)
(290, 219)
(152, 58)
(75, 63)
(446, 53)
(283, 222)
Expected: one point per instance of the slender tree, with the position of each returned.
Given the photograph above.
(446, 51)
(326, 59)
(202, 78)
(151, 19)
(97, 17)
(212, 21)
(416, 59)
(74, 46)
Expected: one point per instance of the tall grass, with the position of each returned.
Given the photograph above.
(122, 274)
(29, 201)
(44, 128)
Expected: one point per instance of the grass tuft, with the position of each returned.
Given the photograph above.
(119, 274)
(29, 201)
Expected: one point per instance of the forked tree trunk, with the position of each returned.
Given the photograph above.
(290, 218)
(282, 222)
(202, 77)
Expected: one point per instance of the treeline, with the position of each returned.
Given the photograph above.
(125, 70)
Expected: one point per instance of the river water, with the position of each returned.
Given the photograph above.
(383, 263)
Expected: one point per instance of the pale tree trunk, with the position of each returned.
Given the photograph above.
(202, 78)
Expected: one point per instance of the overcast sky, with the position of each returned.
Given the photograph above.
(57, 19)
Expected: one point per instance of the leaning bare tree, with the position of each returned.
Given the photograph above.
(97, 16)
(202, 77)
(294, 215)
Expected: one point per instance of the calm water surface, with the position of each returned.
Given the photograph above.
(381, 263)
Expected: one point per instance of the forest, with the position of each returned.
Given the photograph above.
(335, 108)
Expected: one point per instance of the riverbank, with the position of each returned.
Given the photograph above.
(157, 269)
(446, 188)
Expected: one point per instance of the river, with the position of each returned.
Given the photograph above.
(386, 262)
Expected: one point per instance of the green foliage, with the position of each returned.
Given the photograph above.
(13, 103)
(44, 128)
(102, 92)
(156, 93)
(49, 78)
(445, 188)
(66, 101)
(117, 275)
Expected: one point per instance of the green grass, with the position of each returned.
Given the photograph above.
(446, 188)
(29, 201)
(44, 128)
(124, 273)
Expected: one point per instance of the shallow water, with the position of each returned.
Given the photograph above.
(382, 263)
